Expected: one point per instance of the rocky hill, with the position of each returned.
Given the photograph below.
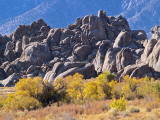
(89, 46)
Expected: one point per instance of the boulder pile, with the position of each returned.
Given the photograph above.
(89, 46)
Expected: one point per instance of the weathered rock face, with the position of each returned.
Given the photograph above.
(32, 31)
(123, 40)
(82, 52)
(110, 60)
(68, 68)
(124, 58)
(53, 37)
(9, 53)
(100, 56)
(154, 57)
(148, 49)
(139, 71)
(89, 46)
(87, 71)
(139, 34)
(2, 74)
(36, 53)
(156, 32)
(10, 81)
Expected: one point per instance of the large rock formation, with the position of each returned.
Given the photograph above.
(89, 46)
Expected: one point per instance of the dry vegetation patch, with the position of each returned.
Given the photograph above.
(95, 110)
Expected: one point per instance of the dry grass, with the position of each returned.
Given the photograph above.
(5, 90)
(70, 110)
(96, 110)
(63, 112)
(3, 94)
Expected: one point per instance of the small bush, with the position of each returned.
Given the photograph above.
(128, 93)
(14, 102)
(113, 84)
(120, 104)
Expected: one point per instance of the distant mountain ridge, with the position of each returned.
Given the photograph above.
(60, 13)
(12, 8)
(141, 14)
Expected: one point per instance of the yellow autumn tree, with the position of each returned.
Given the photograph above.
(113, 85)
(60, 90)
(31, 86)
(27, 96)
(16, 102)
(75, 86)
(132, 86)
(97, 90)
(93, 91)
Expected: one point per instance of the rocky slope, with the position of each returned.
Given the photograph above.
(89, 46)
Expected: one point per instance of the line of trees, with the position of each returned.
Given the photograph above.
(33, 93)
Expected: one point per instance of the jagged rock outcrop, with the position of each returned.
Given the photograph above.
(87, 71)
(156, 32)
(2, 74)
(110, 60)
(100, 56)
(124, 58)
(123, 40)
(154, 57)
(139, 71)
(148, 49)
(36, 53)
(82, 52)
(10, 81)
(53, 37)
(89, 46)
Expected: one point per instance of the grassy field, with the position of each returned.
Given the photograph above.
(95, 110)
